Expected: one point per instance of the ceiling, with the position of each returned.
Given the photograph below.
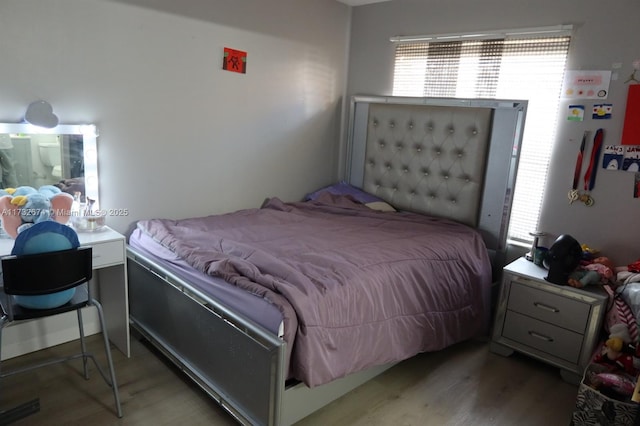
(360, 2)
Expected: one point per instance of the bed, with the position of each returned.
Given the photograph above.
(278, 310)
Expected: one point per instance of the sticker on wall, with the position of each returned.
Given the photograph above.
(636, 186)
(612, 157)
(631, 159)
(602, 111)
(234, 60)
(576, 113)
(586, 84)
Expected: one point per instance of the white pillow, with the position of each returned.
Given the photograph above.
(380, 206)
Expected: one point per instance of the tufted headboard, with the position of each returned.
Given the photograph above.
(452, 158)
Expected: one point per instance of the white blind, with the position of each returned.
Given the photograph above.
(529, 68)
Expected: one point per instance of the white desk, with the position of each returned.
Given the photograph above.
(110, 283)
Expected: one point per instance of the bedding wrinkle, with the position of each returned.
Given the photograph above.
(360, 284)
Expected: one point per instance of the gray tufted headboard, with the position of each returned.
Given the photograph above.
(452, 158)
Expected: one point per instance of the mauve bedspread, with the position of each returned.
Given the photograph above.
(356, 287)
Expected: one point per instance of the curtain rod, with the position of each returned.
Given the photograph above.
(556, 30)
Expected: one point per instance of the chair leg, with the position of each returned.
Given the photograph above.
(83, 345)
(107, 349)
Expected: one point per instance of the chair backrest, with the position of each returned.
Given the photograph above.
(45, 273)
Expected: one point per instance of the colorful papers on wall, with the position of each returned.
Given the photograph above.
(631, 159)
(602, 111)
(576, 113)
(612, 157)
(586, 84)
(621, 157)
(598, 112)
(626, 158)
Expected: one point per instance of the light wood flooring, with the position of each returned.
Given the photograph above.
(462, 385)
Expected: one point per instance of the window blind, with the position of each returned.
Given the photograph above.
(530, 68)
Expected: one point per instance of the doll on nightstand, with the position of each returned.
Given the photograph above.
(599, 271)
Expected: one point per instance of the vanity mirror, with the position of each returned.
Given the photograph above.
(65, 156)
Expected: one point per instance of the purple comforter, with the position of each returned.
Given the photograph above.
(356, 287)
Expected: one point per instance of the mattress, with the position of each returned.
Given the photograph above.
(257, 309)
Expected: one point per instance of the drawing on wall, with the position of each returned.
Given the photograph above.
(602, 111)
(576, 113)
(631, 160)
(586, 84)
(612, 157)
(234, 60)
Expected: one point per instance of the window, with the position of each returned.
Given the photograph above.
(500, 67)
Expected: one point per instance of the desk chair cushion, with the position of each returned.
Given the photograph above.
(45, 237)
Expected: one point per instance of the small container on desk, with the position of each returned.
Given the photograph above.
(88, 221)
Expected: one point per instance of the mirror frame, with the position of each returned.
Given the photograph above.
(89, 147)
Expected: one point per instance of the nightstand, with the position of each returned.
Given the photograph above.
(556, 324)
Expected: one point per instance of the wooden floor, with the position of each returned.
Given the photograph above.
(463, 385)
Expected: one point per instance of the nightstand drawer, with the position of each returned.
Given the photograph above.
(545, 337)
(549, 307)
(106, 254)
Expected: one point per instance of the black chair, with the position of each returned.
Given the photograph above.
(47, 273)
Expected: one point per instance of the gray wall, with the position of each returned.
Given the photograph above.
(181, 137)
(178, 135)
(604, 34)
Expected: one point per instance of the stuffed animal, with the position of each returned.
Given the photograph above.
(617, 350)
(599, 270)
(36, 219)
(24, 206)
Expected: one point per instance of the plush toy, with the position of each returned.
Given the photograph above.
(620, 383)
(599, 270)
(24, 206)
(36, 220)
(612, 354)
(617, 350)
(44, 237)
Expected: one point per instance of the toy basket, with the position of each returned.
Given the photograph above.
(595, 408)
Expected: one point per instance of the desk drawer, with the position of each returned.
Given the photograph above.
(553, 308)
(106, 254)
(542, 336)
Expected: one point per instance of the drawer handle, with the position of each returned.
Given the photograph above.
(540, 336)
(546, 307)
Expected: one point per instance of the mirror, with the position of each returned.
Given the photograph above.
(64, 156)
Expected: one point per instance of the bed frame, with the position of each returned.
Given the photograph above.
(447, 157)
